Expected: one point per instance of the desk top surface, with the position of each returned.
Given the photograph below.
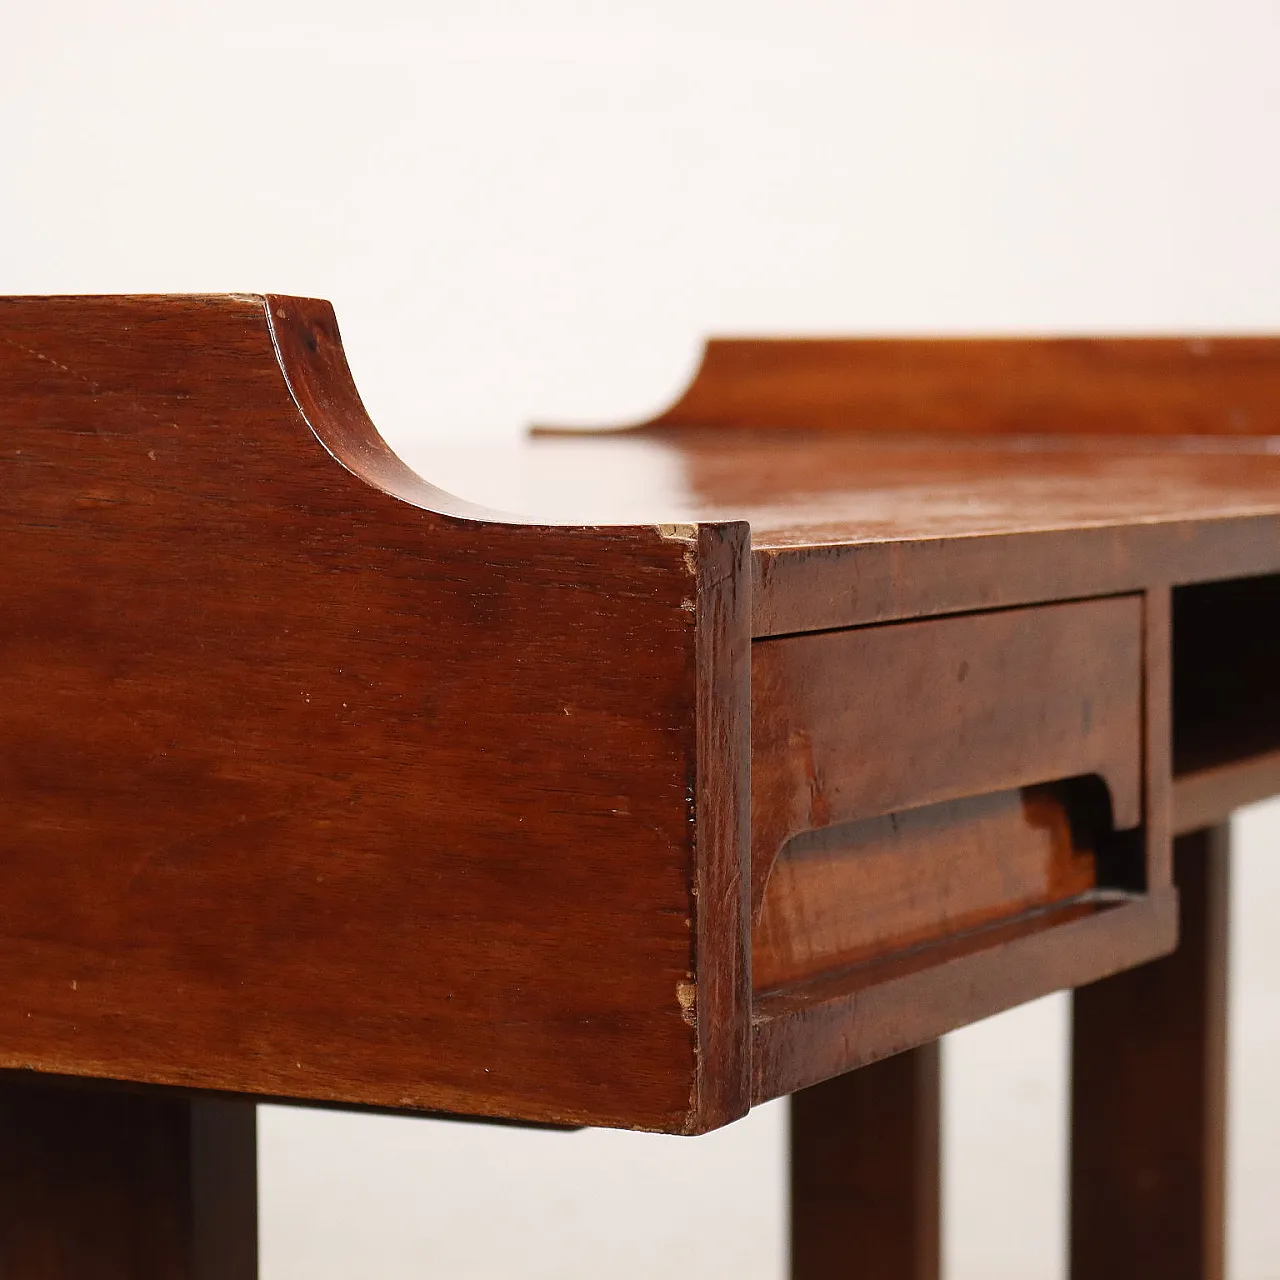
(991, 520)
(812, 488)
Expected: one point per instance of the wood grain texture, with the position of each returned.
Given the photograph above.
(852, 528)
(324, 783)
(317, 788)
(1194, 385)
(124, 1186)
(720, 1001)
(810, 1031)
(842, 582)
(866, 1173)
(849, 725)
(850, 893)
(1149, 1096)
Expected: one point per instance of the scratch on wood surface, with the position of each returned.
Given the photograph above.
(49, 360)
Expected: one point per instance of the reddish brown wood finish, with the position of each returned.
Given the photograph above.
(314, 791)
(850, 893)
(865, 1173)
(1205, 797)
(849, 529)
(719, 1002)
(125, 1186)
(849, 725)
(810, 588)
(323, 783)
(1149, 1097)
(810, 1031)
(1022, 386)
(1098, 434)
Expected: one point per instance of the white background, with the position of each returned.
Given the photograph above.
(536, 211)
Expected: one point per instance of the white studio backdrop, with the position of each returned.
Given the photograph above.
(536, 212)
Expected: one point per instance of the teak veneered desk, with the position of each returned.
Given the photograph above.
(909, 694)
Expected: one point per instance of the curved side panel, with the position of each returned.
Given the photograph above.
(309, 348)
(313, 793)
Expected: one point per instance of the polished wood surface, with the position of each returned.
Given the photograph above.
(1174, 386)
(866, 1173)
(124, 1186)
(854, 724)
(1149, 1096)
(309, 787)
(628, 778)
(855, 528)
(849, 893)
(812, 1030)
(851, 725)
(403, 754)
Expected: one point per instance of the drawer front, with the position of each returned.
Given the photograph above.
(915, 780)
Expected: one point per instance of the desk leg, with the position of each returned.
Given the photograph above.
(1149, 1096)
(865, 1173)
(117, 1185)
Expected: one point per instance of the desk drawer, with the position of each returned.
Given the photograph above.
(920, 780)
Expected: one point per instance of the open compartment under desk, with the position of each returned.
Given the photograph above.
(1226, 698)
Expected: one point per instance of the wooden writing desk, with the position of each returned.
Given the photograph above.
(859, 696)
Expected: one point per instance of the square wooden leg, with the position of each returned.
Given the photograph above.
(865, 1173)
(1149, 1096)
(119, 1185)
